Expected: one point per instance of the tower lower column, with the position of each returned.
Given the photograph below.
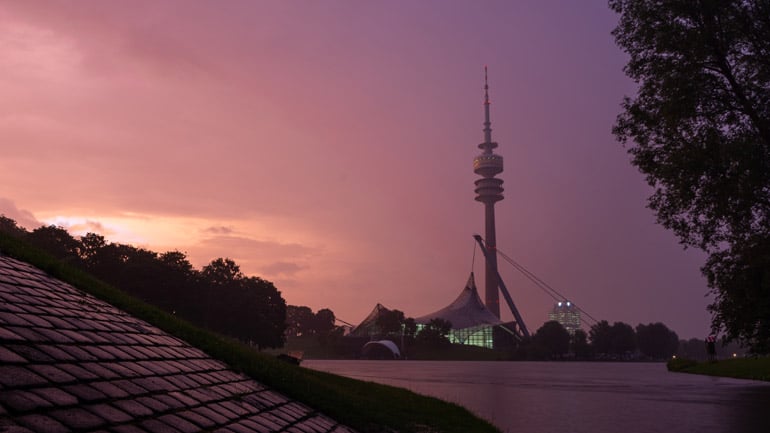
(491, 285)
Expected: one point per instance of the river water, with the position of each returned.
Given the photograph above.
(575, 397)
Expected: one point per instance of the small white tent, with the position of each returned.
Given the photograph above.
(387, 344)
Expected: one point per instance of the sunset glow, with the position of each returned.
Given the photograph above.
(328, 147)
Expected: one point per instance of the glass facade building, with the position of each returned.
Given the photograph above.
(472, 323)
(567, 314)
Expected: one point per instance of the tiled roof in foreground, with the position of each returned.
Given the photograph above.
(72, 363)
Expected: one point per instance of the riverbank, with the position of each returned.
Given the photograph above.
(577, 397)
(365, 406)
(738, 368)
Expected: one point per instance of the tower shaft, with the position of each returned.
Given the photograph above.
(491, 284)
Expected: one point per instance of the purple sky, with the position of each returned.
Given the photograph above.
(328, 147)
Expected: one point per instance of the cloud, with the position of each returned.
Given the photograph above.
(89, 226)
(23, 218)
(235, 243)
(218, 230)
(283, 268)
(254, 256)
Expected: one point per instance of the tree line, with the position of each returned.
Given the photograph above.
(619, 341)
(218, 296)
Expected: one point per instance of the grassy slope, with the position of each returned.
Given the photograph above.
(366, 406)
(740, 368)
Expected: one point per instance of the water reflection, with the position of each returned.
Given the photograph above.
(578, 397)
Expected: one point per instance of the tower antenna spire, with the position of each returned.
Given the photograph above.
(487, 122)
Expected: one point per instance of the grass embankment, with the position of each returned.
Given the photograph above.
(739, 368)
(365, 406)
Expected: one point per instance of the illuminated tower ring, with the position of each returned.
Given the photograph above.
(489, 190)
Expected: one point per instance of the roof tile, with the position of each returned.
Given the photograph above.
(156, 426)
(85, 393)
(264, 420)
(77, 352)
(133, 407)
(42, 424)
(52, 373)
(56, 396)
(109, 413)
(27, 334)
(128, 428)
(54, 336)
(255, 427)
(110, 390)
(170, 401)
(207, 412)
(200, 420)
(179, 423)
(155, 405)
(77, 418)
(79, 372)
(9, 357)
(30, 353)
(240, 427)
(56, 353)
(23, 401)
(18, 376)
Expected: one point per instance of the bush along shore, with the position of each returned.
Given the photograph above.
(739, 368)
(365, 406)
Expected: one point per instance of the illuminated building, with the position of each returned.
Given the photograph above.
(472, 323)
(567, 314)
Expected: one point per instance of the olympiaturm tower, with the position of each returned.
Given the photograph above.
(489, 190)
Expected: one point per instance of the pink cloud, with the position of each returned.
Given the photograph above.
(23, 218)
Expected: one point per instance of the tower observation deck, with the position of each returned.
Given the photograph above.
(489, 190)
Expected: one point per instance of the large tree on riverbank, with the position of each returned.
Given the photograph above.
(699, 129)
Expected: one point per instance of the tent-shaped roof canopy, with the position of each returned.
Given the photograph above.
(368, 326)
(467, 311)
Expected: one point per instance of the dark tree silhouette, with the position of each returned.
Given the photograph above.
(299, 321)
(221, 273)
(390, 322)
(623, 339)
(435, 333)
(10, 227)
(600, 336)
(551, 341)
(699, 126)
(656, 341)
(579, 346)
(57, 242)
(742, 305)
(248, 308)
(91, 246)
(176, 261)
(616, 341)
(323, 322)
(410, 328)
(262, 314)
